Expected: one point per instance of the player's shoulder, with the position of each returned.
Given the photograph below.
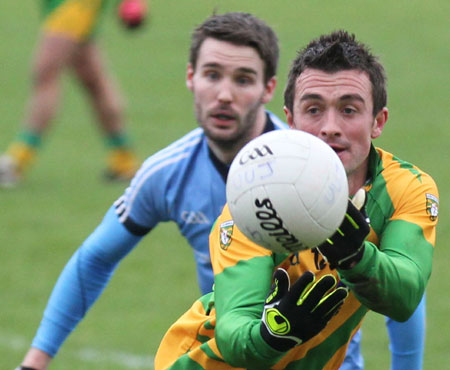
(175, 154)
(391, 164)
(277, 122)
(159, 170)
(229, 246)
(185, 144)
(402, 175)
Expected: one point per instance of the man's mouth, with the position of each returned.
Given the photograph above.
(223, 117)
(338, 149)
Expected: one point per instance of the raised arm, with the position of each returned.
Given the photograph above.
(78, 287)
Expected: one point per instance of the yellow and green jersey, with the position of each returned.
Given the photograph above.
(222, 329)
(76, 19)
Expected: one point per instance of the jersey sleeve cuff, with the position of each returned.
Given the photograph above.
(363, 269)
(267, 353)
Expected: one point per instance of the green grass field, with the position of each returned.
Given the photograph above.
(44, 220)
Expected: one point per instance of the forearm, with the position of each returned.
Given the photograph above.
(82, 281)
(407, 340)
(389, 282)
(242, 344)
(79, 285)
(239, 306)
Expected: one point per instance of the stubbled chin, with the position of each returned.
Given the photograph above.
(222, 133)
(223, 130)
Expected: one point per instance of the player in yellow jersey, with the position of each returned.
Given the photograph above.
(67, 41)
(335, 91)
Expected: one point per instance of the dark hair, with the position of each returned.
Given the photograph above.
(335, 52)
(239, 29)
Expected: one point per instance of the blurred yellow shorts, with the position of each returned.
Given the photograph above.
(76, 19)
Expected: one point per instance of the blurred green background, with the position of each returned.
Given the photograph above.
(44, 220)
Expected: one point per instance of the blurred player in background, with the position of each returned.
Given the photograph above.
(231, 73)
(68, 41)
(336, 91)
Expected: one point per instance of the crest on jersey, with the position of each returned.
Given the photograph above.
(226, 230)
(432, 205)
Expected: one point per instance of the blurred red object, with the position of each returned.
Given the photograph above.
(132, 12)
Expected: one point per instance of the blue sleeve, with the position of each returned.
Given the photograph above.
(407, 340)
(353, 357)
(82, 281)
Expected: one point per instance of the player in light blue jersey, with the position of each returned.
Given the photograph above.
(231, 73)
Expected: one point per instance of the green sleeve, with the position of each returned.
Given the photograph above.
(391, 280)
(240, 292)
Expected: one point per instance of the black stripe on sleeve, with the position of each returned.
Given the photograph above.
(135, 228)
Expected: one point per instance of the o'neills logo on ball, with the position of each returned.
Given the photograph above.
(255, 153)
(271, 222)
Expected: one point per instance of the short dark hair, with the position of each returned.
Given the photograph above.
(239, 29)
(335, 52)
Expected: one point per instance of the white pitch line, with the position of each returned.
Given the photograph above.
(89, 355)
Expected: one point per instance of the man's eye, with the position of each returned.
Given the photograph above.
(212, 75)
(348, 110)
(244, 80)
(313, 110)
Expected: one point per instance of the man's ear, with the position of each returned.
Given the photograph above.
(189, 76)
(379, 122)
(269, 90)
(289, 117)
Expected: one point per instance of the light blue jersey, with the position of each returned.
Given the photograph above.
(184, 183)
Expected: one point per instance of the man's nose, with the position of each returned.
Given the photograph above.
(330, 125)
(225, 93)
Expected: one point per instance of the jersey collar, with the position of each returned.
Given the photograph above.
(374, 165)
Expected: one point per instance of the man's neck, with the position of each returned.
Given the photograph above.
(357, 179)
(224, 155)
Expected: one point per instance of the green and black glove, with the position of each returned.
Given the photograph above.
(345, 247)
(294, 315)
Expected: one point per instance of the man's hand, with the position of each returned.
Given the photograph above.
(345, 247)
(294, 315)
(35, 359)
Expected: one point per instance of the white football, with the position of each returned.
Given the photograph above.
(287, 191)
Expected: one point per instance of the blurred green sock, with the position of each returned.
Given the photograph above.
(119, 140)
(30, 139)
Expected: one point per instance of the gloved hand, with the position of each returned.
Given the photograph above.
(345, 247)
(293, 315)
